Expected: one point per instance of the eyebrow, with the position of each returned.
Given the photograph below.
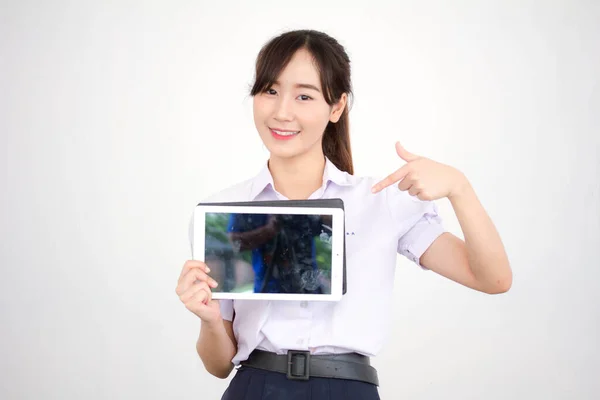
(303, 86)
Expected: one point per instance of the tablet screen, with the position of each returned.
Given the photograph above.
(269, 253)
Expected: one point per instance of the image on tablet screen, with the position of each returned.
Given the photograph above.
(269, 253)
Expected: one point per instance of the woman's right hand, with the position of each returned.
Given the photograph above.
(194, 290)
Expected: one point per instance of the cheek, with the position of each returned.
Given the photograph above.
(260, 108)
(315, 119)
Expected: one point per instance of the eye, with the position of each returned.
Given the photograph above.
(270, 91)
(304, 97)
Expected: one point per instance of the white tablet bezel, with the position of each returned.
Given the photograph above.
(337, 247)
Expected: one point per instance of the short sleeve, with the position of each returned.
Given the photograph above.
(231, 224)
(245, 222)
(226, 306)
(417, 223)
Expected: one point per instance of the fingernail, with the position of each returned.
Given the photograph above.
(207, 269)
(215, 284)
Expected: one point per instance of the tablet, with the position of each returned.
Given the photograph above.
(271, 252)
(316, 203)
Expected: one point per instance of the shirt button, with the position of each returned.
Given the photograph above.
(303, 304)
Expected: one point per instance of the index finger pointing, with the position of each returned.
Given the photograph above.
(390, 179)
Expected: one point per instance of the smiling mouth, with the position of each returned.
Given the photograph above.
(278, 134)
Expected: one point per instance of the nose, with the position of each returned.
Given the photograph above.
(284, 110)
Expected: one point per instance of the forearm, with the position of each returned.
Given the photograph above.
(216, 349)
(486, 254)
(252, 239)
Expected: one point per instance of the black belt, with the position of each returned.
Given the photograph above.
(301, 365)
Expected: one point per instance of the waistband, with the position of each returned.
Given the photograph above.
(301, 365)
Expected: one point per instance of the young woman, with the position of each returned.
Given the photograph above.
(321, 350)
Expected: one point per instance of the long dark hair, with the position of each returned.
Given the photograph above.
(334, 69)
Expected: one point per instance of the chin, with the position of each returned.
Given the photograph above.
(281, 150)
(283, 153)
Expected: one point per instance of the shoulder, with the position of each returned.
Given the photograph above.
(391, 199)
(357, 183)
(362, 185)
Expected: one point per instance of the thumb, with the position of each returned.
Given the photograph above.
(405, 154)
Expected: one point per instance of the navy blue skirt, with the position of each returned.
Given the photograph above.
(257, 384)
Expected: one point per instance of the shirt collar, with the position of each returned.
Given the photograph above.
(331, 174)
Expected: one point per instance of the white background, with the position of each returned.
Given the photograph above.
(116, 118)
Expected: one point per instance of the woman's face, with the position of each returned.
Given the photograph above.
(291, 116)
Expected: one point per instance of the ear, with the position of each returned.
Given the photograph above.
(338, 108)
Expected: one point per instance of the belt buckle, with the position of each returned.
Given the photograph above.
(294, 357)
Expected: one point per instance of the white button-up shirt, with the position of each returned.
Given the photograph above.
(378, 227)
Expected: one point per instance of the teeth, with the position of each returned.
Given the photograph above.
(285, 133)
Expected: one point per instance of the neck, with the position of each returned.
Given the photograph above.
(298, 177)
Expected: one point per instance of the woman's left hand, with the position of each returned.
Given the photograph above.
(424, 178)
